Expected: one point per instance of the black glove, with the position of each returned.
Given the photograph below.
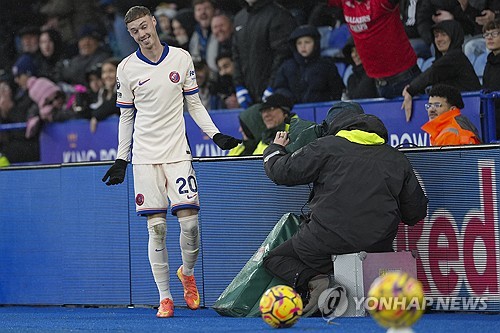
(116, 173)
(225, 142)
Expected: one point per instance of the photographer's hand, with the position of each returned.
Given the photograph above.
(281, 138)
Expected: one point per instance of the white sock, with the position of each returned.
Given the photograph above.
(190, 243)
(158, 255)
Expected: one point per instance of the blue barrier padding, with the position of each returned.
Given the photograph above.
(12, 126)
(66, 238)
(72, 141)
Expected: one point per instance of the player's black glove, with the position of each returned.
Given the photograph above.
(116, 173)
(225, 142)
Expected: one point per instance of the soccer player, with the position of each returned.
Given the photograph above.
(152, 84)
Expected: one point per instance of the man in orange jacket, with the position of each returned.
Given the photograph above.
(446, 125)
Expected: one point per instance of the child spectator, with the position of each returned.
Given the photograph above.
(50, 100)
(308, 77)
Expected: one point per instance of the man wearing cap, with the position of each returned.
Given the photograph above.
(89, 54)
(362, 189)
(276, 115)
(446, 125)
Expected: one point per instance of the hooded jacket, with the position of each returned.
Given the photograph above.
(260, 45)
(427, 8)
(312, 79)
(359, 84)
(253, 126)
(491, 82)
(452, 68)
(362, 187)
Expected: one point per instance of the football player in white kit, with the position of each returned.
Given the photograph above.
(152, 84)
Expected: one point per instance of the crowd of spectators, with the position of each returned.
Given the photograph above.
(243, 51)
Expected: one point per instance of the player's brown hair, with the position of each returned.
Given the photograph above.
(136, 12)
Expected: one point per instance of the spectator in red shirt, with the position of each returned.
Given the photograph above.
(381, 42)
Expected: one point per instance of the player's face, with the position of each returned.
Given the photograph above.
(437, 106)
(143, 31)
(273, 117)
(305, 46)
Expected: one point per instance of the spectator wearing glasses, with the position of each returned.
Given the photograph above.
(446, 125)
(491, 81)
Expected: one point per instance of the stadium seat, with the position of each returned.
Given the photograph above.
(347, 73)
(420, 62)
(341, 67)
(426, 64)
(479, 64)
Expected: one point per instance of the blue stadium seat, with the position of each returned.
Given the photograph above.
(347, 73)
(341, 67)
(479, 64)
(427, 63)
(420, 62)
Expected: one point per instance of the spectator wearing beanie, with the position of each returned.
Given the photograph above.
(43, 92)
(23, 69)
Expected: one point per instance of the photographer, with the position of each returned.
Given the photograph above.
(362, 189)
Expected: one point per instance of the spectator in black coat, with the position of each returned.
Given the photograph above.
(262, 29)
(308, 77)
(51, 49)
(491, 76)
(451, 66)
(359, 85)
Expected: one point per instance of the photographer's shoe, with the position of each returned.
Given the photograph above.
(316, 286)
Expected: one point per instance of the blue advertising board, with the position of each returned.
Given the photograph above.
(72, 141)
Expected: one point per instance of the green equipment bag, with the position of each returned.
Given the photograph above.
(241, 298)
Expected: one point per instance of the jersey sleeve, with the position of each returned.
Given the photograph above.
(124, 94)
(195, 107)
(190, 86)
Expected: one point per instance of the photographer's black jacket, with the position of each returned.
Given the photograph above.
(363, 188)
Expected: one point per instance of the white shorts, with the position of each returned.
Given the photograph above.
(156, 184)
